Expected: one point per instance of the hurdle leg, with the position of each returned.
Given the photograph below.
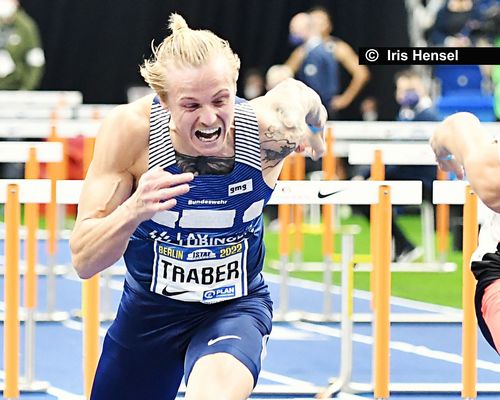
(427, 220)
(12, 294)
(382, 300)
(469, 325)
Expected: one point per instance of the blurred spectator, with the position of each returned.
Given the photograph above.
(21, 56)
(343, 54)
(451, 28)
(415, 105)
(318, 56)
(421, 16)
(21, 61)
(413, 98)
(311, 61)
(276, 74)
(253, 84)
(369, 109)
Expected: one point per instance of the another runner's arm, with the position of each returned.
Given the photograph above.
(462, 137)
(109, 209)
(286, 115)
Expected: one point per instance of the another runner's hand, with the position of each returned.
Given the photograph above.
(156, 191)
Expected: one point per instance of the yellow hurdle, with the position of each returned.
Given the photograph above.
(469, 324)
(12, 295)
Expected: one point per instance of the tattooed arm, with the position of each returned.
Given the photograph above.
(284, 114)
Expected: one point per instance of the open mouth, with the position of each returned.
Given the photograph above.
(208, 135)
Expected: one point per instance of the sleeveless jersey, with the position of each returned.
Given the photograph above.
(485, 265)
(209, 247)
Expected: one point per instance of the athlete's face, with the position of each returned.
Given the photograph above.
(201, 101)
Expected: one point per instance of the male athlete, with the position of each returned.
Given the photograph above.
(177, 186)
(462, 145)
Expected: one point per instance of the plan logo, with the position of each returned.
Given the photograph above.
(240, 187)
(219, 293)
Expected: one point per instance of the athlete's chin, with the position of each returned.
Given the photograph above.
(210, 149)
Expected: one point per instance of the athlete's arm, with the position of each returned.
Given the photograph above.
(285, 116)
(359, 75)
(462, 136)
(109, 209)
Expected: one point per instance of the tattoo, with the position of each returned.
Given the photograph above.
(272, 131)
(202, 165)
(276, 150)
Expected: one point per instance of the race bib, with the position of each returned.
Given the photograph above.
(207, 275)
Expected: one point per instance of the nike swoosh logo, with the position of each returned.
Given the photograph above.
(165, 292)
(322, 196)
(213, 341)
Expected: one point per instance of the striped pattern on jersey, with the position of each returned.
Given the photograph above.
(162, 153)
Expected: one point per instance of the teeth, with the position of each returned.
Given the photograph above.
(208, 131)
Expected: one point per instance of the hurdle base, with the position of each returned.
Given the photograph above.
(367, 267)
(41, 270)
(416, 388)
(293, 316)
(103, 317)
(32, 387)
(55, 316)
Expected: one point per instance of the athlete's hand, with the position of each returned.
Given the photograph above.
(156, 191)
(444, 158)
(299, 109)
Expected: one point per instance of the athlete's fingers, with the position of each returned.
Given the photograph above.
(317, 141)
(167, 193)
(166, 205)
(166, 179)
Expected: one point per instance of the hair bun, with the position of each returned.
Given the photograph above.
(176, 22)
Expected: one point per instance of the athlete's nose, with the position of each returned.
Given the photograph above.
(208, 116)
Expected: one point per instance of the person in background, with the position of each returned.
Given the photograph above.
(462, 146)
(415, 105)
(311, 61)
(369, 109)
(317, 60)
(344, 55)
(22, 58)
(21, 62)
(413, 98)
(450, 28)
(253, 84)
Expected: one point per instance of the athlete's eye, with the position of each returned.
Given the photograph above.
(191, 106)
(220, 101)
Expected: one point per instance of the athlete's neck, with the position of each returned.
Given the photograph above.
(204, 165)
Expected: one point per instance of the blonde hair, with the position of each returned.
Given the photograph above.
(184, 47)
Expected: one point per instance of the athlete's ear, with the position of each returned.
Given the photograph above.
(163, 101)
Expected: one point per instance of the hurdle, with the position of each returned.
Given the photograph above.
(12, 194)
(348, 133)
(409, 154)
(445, 192)
(54, 98)
(343, 192)
(51, 153)
(39, 191)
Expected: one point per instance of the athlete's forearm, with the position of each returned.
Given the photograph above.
(97, 243)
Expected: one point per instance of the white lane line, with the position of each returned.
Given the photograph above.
(364, 295)
(422, 351)
(320, 287)
(285, 380)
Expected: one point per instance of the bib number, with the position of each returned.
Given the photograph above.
(206, 275)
